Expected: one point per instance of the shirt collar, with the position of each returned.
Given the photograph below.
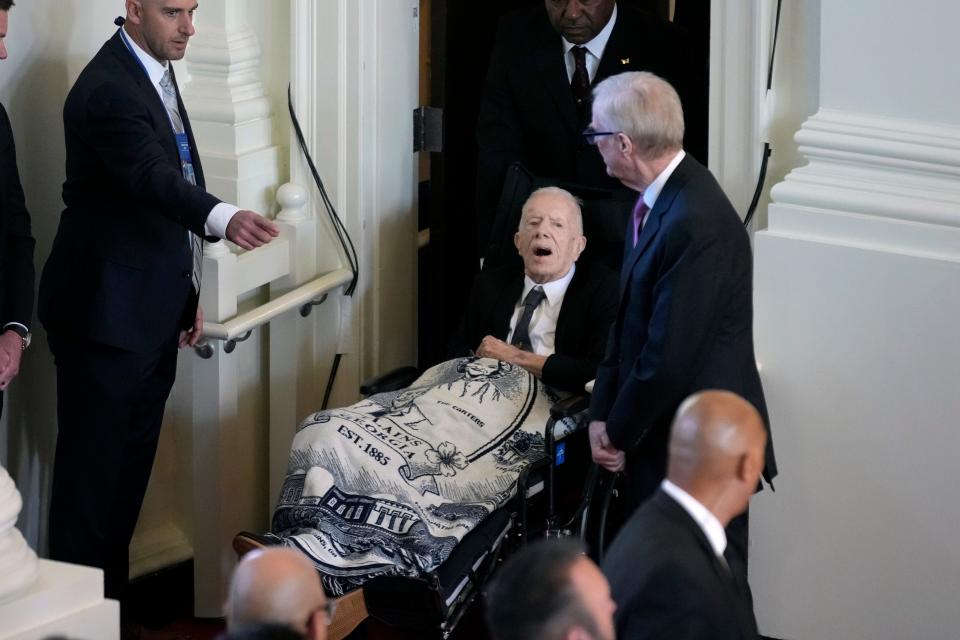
(701, 515)
(554, 290)
(596, 46)
(155, 69)
(651, 193)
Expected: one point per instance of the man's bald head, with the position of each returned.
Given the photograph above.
(281, 586)
(716, 451)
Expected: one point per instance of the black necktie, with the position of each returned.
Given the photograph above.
(521, 334)
(580, 85)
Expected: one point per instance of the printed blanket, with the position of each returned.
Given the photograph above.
(392, 483)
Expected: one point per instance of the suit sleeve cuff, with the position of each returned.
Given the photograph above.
(219, 218)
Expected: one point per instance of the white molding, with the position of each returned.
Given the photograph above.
(874, 182)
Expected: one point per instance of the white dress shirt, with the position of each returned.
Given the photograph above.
(595, 49)
(220, 215)
(701, 515)
(651, 193)
(543, 323)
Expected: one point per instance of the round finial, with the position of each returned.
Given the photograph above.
(293, 201)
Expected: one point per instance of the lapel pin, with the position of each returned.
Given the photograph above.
(624, 60)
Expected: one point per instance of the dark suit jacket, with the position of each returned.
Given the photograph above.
(668, 583)
(16, 241)
(685, 322)
(528, 113)
(588, 309)
(120, 269)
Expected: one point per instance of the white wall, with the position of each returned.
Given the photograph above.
(857, 300)
(48, 46)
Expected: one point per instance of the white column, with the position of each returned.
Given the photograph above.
(229, 109)
(858, 295)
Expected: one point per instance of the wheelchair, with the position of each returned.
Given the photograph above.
(555, 496)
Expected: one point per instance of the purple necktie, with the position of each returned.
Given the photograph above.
(639, 213)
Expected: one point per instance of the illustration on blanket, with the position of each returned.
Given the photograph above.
(390, 485)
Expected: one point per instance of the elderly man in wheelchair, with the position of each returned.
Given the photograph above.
(386, 490)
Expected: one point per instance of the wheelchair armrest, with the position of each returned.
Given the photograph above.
(569, 406)
(390, 381)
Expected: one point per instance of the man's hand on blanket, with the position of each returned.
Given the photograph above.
(604, 453)
(491, 347)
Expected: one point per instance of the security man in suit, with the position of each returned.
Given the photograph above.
(536, 100)
(668, 567)
(16, 246)
(119, 291)
(685, 321)
(553, 318)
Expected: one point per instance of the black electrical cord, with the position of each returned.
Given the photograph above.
(343, 236)
(765, 157)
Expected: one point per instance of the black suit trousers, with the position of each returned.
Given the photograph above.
(110, 406)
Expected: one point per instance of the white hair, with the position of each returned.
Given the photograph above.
(643, 106)
(574, 201)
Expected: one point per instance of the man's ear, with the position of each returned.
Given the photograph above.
(516, 241)
(625, 143)
(134, 11)
(581, 245)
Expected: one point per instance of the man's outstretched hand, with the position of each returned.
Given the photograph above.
(249, 230)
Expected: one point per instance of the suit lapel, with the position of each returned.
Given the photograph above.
(651, 228)
(615, 58)
(505, 305)
(149, 94)
(552, 71)
(572, 305)
(738, 607)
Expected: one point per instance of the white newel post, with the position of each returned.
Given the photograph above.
(858, 295)
(293, 375)
(41, 598)
(18, 562)
(231, 119)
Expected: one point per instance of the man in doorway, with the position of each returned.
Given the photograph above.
(536, 100)
(119, 292)
(16, 246)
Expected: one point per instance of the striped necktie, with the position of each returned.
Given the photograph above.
(170, 102)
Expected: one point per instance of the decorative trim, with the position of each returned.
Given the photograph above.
(886, 167)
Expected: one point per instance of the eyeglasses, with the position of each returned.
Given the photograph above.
(590, 134)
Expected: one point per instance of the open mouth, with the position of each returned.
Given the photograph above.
(542, 252)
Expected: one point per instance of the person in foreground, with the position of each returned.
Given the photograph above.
(685, 321)
(668, 567)
(277, 588)
(552, 319)
(550, 591)
(119, 292)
